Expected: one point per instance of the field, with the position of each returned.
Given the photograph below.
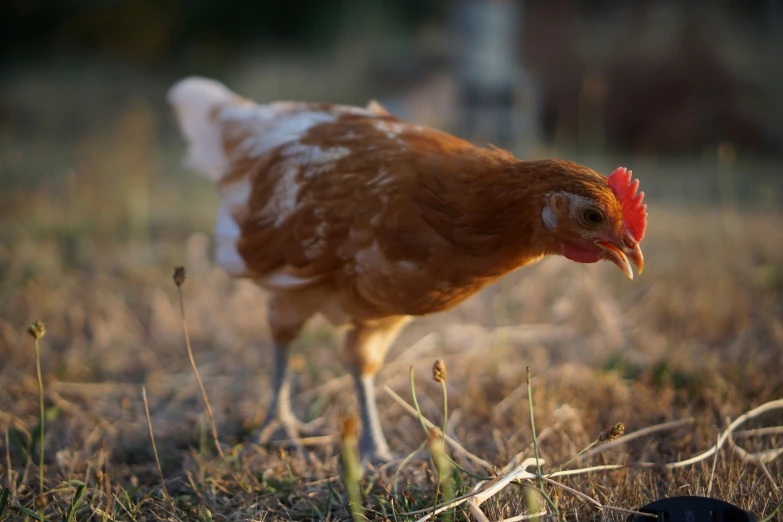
(91, 229)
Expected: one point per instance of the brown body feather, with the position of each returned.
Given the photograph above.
(404, 220)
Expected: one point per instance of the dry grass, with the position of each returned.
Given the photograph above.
(695, 342)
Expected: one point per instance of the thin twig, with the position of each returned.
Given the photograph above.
(757, 459)
(320, 481)
(456, 445)
(761, 457)
(638, 434)
(758, 432)
(605, 467)
(714, 467)
(597, 504)
(483, 491)
(198, 375)
(155, 450)
(103, 514)
(477, 513)
(180, 271)
(440, 507)
(494, 487)
(525, 517)
(755, 412)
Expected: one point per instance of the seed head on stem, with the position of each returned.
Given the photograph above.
(439, 371)
(179, 275)
(612, 433)
(37, 330)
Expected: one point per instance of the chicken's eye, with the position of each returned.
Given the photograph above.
(593, 217)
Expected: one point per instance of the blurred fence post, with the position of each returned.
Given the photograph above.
(497, 94)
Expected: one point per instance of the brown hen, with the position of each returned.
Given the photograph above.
(369, 220)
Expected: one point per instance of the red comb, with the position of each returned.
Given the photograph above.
(634, 213)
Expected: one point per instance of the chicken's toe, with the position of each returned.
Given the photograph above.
(287, 430)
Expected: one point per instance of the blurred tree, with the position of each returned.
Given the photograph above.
(153, 32)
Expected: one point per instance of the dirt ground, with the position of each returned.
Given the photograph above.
(697, 338)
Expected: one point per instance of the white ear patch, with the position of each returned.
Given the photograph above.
(548, 217)
(575, 203)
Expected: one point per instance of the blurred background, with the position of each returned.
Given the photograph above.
(95, 209)
(689, 95)
(601, 81)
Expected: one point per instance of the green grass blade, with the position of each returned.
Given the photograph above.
(77, 499)
(352, 469)
(30, 513)
(535, 444)
(416, 404)
(332, 495)
(3, 502)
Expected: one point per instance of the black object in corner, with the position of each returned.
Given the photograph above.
(692, 509)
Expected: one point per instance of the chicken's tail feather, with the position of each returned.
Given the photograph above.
(196, 102)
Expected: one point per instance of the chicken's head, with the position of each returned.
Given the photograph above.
(602, 219)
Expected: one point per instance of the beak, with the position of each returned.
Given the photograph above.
(619, 256)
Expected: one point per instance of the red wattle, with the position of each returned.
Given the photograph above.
(581, 253)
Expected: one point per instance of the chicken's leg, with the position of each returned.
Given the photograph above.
(373, 445)
(366, 344)
(279, 414)
(287, 316)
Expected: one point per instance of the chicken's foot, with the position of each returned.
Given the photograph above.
(280, 421)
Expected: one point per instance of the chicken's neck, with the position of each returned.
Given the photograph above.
(496, 215)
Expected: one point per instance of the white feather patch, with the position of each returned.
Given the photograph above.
(194, 100)
(548, 217)
(270, 126)
(283, 200)
(392, 130)
(227, 232)
(226, 235)
(313, 157)
(279, 280)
